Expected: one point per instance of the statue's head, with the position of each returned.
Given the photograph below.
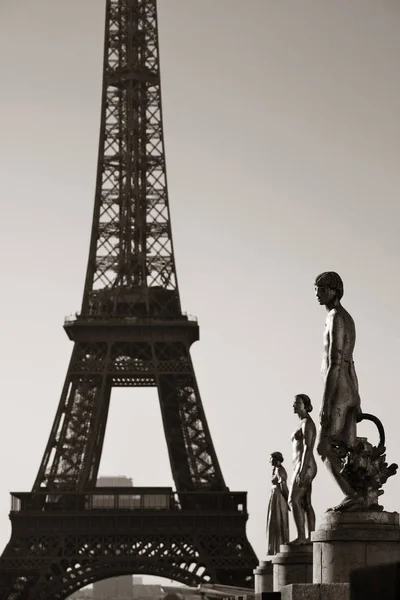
(276, 459)
(302, 404)
(328, 287)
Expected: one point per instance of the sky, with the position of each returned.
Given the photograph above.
(282, 129)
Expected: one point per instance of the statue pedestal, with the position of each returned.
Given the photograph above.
(263, 577)
(354, 540)
(346, 542)
(293, 564)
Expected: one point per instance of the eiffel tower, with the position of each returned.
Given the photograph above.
(131, 332)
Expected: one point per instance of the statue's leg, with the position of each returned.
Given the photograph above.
(309, 511)
(297, 497)
(332, 459)
(350, 427)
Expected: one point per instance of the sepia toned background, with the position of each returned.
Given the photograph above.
(282, 126)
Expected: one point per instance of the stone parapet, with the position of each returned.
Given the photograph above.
(304, 591)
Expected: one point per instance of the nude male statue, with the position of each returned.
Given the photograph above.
(341, 400)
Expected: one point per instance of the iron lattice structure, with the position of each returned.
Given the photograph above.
(62, 542)
(130, 332)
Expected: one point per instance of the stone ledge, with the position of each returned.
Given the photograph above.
(332, 519)
(316, 591)
(294, 554)
(376, 533)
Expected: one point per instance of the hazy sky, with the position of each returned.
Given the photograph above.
(282, 125)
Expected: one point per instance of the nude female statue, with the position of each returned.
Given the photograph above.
(341, 400)
(304, 470)
(278, 516)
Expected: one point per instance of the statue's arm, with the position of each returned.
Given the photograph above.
(336, 347)
(308, 446)
(282, 484)
(354, 375)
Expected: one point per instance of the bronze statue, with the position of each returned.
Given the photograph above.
(304, 470)
(277, 517)
(359, 470)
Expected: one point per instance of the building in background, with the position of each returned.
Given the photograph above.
(143, 591)
(125, 587)
(121, 588)
(114, 589)
(114, 481)
(118, 588)
(82, 595)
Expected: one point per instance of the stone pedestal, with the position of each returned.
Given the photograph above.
(348, 541)
(293, 564)
(263, 577)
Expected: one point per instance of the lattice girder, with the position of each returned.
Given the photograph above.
(56, 559)
(131, 248)
(73, 453)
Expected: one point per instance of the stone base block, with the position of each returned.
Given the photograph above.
(349, 541)
(263, 578)
(293, 564)
(304, 591)
(381, 582)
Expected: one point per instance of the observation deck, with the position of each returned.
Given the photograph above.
(150, 500)
(192, 537)
(80, 328)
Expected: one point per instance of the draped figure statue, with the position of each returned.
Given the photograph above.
(278, 516)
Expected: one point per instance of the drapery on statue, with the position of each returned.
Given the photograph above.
(304, 470)
(278, 516)
(357, 467)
